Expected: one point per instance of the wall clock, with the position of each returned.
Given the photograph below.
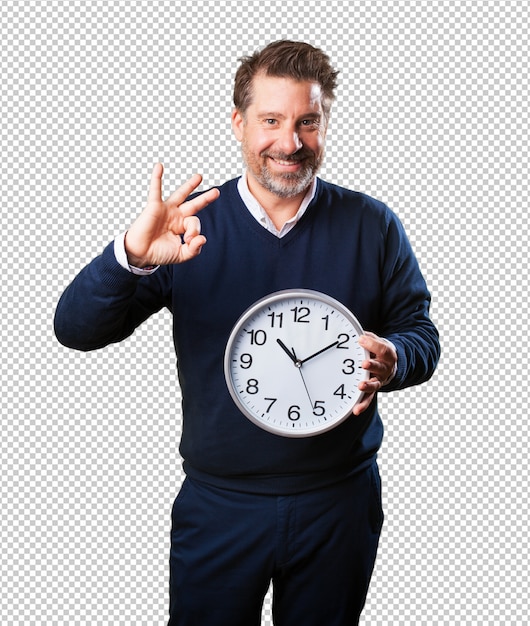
(293, 363)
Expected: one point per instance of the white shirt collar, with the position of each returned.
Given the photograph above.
(259, 213)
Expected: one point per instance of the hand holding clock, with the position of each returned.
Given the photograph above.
(381, 365)
(168, 231)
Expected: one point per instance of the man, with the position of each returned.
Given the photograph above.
(255, 507)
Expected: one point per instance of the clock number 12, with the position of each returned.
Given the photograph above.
(301, 314)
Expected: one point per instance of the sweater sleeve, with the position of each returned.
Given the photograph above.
(105, 303)
(406, 311)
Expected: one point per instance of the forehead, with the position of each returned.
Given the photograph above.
(273, 93)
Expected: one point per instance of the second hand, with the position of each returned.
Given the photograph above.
(299, 366)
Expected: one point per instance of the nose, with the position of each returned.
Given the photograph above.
(289, 141)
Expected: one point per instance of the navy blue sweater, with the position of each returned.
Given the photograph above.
(347, 245)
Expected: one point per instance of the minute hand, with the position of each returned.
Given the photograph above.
(331, 345)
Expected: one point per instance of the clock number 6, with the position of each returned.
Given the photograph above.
(294, 413)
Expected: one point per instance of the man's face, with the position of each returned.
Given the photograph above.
(282, 135)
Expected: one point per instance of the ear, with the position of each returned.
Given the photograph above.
(238, 123)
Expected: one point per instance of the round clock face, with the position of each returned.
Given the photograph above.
(293, 363)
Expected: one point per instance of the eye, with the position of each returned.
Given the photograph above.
(270, 121)
(310, 122)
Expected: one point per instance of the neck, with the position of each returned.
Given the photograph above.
(279, 210)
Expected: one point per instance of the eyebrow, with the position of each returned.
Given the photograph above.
(280, 116)
(266, 114)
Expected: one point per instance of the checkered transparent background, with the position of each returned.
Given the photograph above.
(431, 117)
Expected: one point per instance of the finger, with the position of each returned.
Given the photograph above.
(192, 226)
(199, 202)
(179, 196)
(192, 248)
(365, 402)
(373, 385)
(369, 388)
(155, 186)
(380, 371)
(375, 366)
(369, 342)
(378, 347)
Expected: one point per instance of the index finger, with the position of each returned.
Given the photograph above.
(191, 207)
(180, 195)
(369, 341)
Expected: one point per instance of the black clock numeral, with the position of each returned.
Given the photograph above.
(340, 392)
(318, 408)
(252, 386)
(245, 361)
(326, 322)
(276, 318)
(349, 366)
(343, 340)
(301, 314)
(257, 337)
(294, 413)
(272, 401)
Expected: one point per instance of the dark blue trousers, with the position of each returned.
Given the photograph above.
(318, 548)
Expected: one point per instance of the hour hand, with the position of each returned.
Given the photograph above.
(289, 353)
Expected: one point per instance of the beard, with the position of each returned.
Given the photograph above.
(287, 184)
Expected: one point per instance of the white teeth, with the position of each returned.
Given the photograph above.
(286, 162)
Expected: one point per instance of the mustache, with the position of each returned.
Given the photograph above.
(296, 157)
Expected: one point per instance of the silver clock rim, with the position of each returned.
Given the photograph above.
(252, 310)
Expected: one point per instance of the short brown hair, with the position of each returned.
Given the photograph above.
(286, 59)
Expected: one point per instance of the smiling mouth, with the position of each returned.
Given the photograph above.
(286, 162)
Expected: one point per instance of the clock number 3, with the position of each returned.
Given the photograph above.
(349, 366)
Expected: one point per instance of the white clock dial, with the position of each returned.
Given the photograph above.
(293, 363)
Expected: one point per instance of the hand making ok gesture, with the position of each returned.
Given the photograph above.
(168, 231)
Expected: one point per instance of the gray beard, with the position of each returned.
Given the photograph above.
(288, 185)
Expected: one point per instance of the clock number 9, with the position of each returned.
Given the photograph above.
(246, 361)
